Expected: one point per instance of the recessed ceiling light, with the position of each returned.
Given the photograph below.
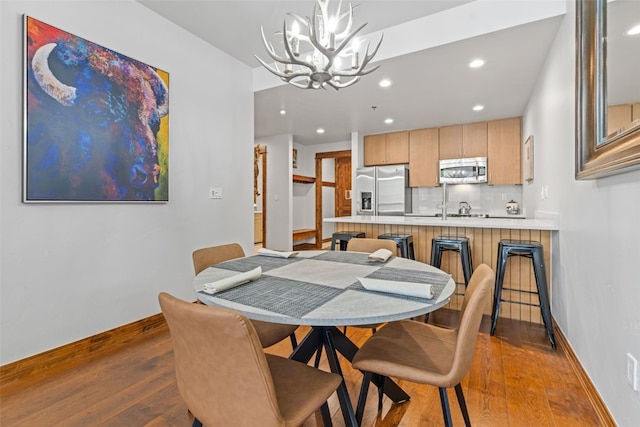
(283, 111)
(634, 31)
(388, 121)
(385, 83)
(478, 108)
(476, 63)
(320, 130)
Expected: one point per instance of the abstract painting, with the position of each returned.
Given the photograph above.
(96, 122)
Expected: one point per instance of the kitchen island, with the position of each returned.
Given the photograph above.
(484, 235)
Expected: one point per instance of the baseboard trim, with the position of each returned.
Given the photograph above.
(594, 397)
(80, 351)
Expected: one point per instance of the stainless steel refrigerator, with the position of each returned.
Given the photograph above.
(383, 190)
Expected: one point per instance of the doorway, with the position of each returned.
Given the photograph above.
(342, 186)
(260, 196)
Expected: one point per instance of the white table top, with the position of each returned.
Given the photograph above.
(319, 288)
(505, 223)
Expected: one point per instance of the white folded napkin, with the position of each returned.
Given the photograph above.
(279, 254)
(380, 255)
(230, 282)
(420, 290)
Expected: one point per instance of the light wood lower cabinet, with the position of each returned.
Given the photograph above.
(504, 151)
(423, 157)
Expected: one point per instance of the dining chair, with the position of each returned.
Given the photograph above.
(225, 377)
(427, 354)
(269, 333)
(365, 244)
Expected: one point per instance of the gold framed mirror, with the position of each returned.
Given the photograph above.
(599, 151)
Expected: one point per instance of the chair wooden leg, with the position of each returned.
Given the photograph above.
(463, 405)
(326, 415)
(362, 399)
(446, 412)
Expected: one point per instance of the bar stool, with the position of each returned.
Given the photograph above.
(535, 252)
(404, 242)
(458, 244)
(343, 237)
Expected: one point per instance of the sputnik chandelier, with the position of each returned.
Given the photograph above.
(333, 55)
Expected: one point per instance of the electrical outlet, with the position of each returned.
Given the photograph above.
(215, 193)
(632, 371)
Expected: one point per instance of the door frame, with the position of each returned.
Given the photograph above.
(260, 154)
(320, 184)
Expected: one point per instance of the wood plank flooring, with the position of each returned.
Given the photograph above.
(516, 380)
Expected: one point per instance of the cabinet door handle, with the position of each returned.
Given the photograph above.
(347, 194)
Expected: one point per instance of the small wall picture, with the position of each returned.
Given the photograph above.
(528, 159)
(295, 158)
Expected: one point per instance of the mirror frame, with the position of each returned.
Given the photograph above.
(597, 155)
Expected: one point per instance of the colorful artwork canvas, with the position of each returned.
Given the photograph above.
(96, 122)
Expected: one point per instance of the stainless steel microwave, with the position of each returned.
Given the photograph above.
(472, 170)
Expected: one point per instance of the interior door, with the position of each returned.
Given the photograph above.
(343, 186)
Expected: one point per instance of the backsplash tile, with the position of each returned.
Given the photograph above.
(483, 198)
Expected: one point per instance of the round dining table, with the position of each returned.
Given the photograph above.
(324, 289)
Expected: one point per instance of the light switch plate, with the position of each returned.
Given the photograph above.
(215, 193)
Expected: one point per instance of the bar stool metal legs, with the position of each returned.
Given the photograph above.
(535, 252)
(404, 242)
(343, 238)
(457, 244)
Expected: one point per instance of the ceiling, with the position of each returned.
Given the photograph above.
(432, 84)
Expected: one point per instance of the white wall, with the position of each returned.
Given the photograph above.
(596, 284)
(279, 191)
(69, 271)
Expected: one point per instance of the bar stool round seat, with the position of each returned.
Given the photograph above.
(535, 252)
(404, 242)
(343, 238)
(442, 244)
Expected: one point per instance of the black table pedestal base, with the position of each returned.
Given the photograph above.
(334, 342)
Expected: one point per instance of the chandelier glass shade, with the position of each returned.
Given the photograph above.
(320, 51)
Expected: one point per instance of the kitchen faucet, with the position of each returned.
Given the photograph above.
(443, 206)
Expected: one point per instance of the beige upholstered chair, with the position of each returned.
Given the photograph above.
(428, 354)
(226, 379)
(371, 245)
(269, 333)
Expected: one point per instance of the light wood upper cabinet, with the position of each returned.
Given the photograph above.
(451, 142)
(504, 151)
(461, 141)
(375, 150)
(423, 157)
(474, 140)
(386, 149)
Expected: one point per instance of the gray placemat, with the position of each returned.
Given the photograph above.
(438, 281)
(390, 273)
(249, 263)
(289, 297)
(349, 258)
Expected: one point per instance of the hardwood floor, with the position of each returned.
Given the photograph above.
(516, 380)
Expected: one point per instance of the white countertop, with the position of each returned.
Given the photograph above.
(472, 222)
